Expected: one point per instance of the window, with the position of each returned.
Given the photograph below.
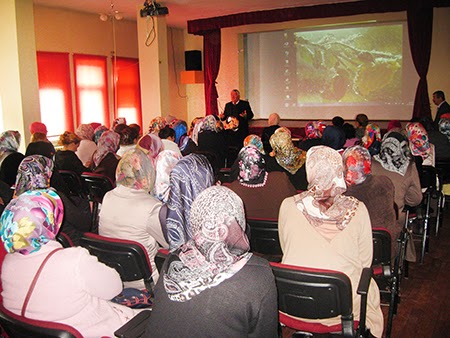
(54, 92)
(91, 88)
(127, 94)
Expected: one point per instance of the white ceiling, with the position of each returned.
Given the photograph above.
(180, 11)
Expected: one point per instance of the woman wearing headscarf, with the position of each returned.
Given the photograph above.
(313, 135)
(254, 140)
(372, 138)
(150, 144)
(322, 228)
(156, 125)
(419, 143)
(184, 142)
(211, 140)
(130, 212)
(35, 173)
(10, 158)
(262, 192)
(394, 161)
(73, 288)
(165, 162)
(212, 285)
(87, 146)
(375, 191)
(98, 132)
(190, 176)
(105, 159)
(289, 157)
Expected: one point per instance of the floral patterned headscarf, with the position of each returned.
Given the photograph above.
(444, 127)
(190, 176)
(418, 140)
(323, 202)
(150, 144)
(218, 249)
(85, 132)
(314, 129)
(9, 142)
(209, 124)
(98, 132)
(394, 153)
(34, 173)
(136, 171)
(107, 143)
(252, 167)
(31, 220)
(287, 155)
(357, 165)
(372, 133)
(165, 162)
(254, 140)
(156, 125)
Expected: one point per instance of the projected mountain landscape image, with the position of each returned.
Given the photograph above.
(349, 65)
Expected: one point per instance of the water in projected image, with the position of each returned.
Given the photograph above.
(349, 65)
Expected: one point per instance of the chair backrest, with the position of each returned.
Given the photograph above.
(264, 236)
(64, 239)
(428, 177)
(97, 185)
(313, 294)
(381, 239)
(74, 183)
(17, 326)
(128, 258)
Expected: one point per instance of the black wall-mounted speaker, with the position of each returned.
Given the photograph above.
(193, 60)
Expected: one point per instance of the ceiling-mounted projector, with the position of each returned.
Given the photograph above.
(152, 8)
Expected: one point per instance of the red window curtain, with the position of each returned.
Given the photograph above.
(211, 48)
(55, 92)
(420, 27)
(91, 89)
(127, 90)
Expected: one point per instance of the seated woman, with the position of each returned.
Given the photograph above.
(105, 159)
(73, 288)
(66, 159)
(394, 161)
(321, 228)
(212, 286)
(210, 139)
(165, 162)
(128, 139)
(10, 158)
(334, 137)
(150, 144)
(185, 143)
(419, 143)
(375, 191)
(372, 139)
(87, 146)
(156, 125)
(262, 192)
(289, 157)
(130, 212)
(313, 135)
(35, 173)
(190, 176)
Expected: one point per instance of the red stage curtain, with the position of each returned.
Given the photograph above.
(420, 27)
(211, 50)
(55, 92)
(127, 90)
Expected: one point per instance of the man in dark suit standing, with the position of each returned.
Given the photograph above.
(442, 106)
(235, 117)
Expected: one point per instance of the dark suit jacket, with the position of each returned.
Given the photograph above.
(235, 110)
(443, 109)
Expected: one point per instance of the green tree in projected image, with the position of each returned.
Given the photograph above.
(350, 65)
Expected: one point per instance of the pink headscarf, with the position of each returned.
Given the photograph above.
(150, 144)
(107, 143)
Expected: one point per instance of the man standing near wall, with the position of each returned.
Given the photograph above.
(442, 106)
